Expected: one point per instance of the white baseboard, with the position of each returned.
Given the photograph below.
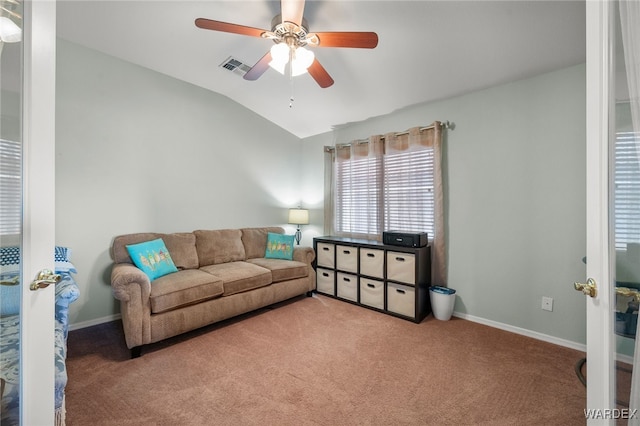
(535, 335)
(523, 332)
(97, 321)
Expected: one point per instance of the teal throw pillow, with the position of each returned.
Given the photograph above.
(279, 246)
(153, 258)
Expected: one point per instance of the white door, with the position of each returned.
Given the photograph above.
(36, 68)
(600, 350)
(37, 337)
(603, 406)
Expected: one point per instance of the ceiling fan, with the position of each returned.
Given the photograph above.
(290, 33)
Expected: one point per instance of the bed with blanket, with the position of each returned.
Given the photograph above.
(66, 292)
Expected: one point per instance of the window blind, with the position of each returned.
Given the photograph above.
(627, 189)
(358, 190)
(394, 192)
(10, 187)
(408, 191)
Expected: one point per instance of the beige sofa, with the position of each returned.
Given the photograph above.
(221, 274)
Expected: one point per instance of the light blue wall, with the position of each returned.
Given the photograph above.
(515, 197)
(139, 151)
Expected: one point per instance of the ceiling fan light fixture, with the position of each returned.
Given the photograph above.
(302, 59)
(290, 33)
(9, 31)
(279, 57)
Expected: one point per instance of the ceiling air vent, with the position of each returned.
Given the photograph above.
(234, 65)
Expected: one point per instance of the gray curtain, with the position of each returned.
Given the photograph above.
(329, 158)
(428, 138)
(417, 138)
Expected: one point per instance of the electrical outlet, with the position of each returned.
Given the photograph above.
(547, 303)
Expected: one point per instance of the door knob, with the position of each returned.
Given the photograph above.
(45, 277)
(589, 288)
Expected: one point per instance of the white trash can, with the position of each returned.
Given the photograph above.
(442, 301)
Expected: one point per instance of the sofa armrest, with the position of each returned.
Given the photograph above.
(123, 276)
(304, 254)
(132, 287)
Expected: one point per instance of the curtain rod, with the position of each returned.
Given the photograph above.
(446, 124)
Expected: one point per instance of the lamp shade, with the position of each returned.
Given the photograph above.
(299, 216)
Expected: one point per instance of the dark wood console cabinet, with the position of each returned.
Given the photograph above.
(391, 279)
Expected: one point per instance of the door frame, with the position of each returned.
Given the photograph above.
(599, 114)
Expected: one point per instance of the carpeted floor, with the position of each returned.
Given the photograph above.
(320, 361)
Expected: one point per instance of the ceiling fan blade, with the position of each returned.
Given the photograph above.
(363, 40)
(320, 75)
(226, 27)
(259, 68)
(292, 11)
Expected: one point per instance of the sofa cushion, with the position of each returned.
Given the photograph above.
(181, 246)
(183, 288)
(279, 246)
(239, 276)
(282, 270)
(152, 257)
(219, 246)
(255, 240)
(119, 251)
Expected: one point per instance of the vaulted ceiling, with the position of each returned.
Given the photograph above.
(428, 50)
